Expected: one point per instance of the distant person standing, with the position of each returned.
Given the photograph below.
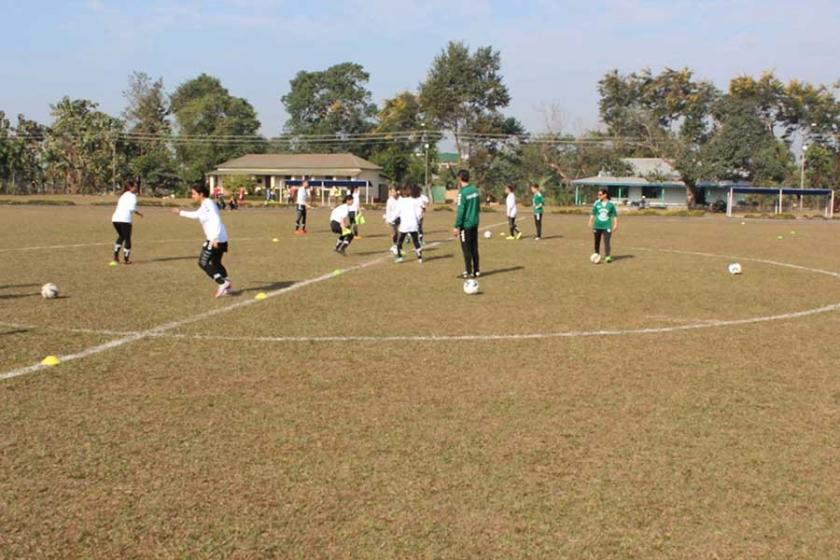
(392, 217)
(355, 209)
(409, 213)
(215, 238)
(466, 223)
(604, 222)
(302, 203)
(126, 207)
(423, 202)
(510, 212)
(537, 203)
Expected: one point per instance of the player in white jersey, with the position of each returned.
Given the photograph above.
(340, 224)
(391, 217)
(423, 202)
(355, 210)
(215, 238)
(511, 212)
(126, 207)
(302, 203)
(409, 213)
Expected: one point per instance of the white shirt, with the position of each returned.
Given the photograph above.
(340, 213)
(355, 206)
(302, 196)
(510, 205)
(409, 213)
(424, 200)
(211, 222)
(126, 206)
(391, 210)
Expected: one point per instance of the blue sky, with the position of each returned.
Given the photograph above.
(553, 53)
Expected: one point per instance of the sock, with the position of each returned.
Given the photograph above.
(127, 253)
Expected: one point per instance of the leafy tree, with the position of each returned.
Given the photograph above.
(6, 157)
(464, 93)
(333, 102)
(665, 115)
(29, 148)
(402, 154)
(84, 149)
(147, 118)
(202, 109)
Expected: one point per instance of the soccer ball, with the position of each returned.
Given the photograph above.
(487, 235)
(595, 258)
(735, 268)
(471, 287)
(49, 291)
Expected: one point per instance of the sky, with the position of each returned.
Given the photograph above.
(553, 53)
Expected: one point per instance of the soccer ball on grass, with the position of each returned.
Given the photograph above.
(488, 234)
(595, 258)
(471, 287)
(49, 291)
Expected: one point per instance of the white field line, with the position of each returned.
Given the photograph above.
(110, 244)
(694, 325)
(161, 329)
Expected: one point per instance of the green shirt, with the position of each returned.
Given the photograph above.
(603, 212)
(469, 205)
(537, 202)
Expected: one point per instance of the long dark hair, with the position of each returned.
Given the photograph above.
(606, 192)
(201, 189)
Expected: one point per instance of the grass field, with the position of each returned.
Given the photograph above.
(655, 407)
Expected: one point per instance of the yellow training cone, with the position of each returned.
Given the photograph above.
(337, 271)
(261, 296)
(50, 361)
(113, 263)
(275, 240)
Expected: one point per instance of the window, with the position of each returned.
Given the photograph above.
(652, 192)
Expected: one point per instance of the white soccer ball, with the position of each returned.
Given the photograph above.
(471, 287)
(487, 235)
(49, 291)
(595, 258)
(735, 268)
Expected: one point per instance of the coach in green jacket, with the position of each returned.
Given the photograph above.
(466, 223)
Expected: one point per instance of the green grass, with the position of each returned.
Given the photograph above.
(710, 443)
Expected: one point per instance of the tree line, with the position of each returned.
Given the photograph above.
(167, 141)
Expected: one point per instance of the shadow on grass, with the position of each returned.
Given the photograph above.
(18, 296)
(436, 257)
(369, 253)
(269, 287)
(622, 257)
(18, 331)
(10, 286)
(500, 271)
(167, 259)
(547, 237)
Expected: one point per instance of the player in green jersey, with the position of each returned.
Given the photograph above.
(604, 222)
(537, 205)
(466, 223)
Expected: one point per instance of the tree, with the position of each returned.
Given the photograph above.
(213, 126)
(29, 148)
(84, 149)
(405, 147)
(147, 118)
(464, 93)
(334, 102)
(665, 115)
